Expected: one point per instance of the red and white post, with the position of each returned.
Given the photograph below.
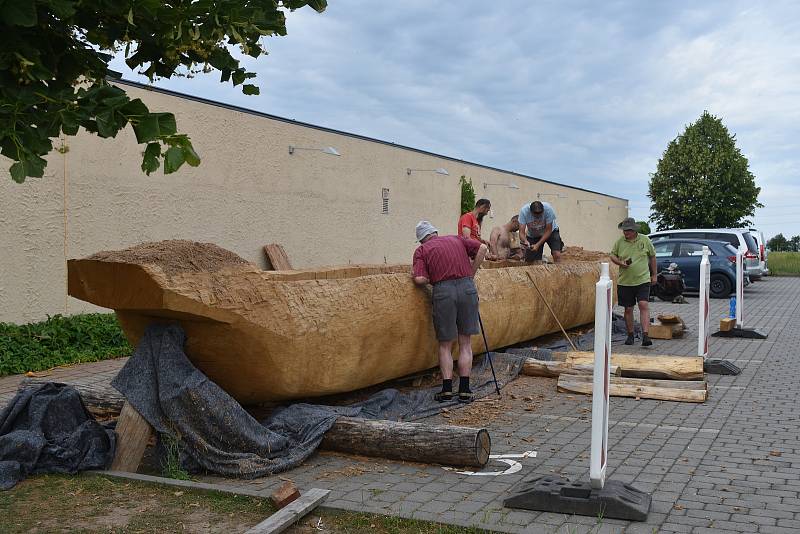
(739, 287)
(602, 366)
(705, 311)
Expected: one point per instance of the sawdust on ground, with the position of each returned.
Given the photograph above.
(175, 256)
(523, 391)
(580, 254)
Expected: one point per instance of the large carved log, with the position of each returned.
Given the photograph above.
(669, 390)
(417, 442)
(644, 366)
(266, 336)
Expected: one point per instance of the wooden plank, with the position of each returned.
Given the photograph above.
(664, 367)
(534, 367)
(290, 514)
(133, 433)
(727, 324)
(670, 390)
(277, 260)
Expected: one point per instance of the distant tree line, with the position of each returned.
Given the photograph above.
(780, 244)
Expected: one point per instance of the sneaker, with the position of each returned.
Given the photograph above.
(443, 396)
(646, 342)
(629, 339)
(465, 396)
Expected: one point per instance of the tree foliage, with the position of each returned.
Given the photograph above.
(703, 180)
(779, 243)
(54, 65)
(467, 194)
(644, 228)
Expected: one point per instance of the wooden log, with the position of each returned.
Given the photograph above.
(133, 433)
(102, 401)
(452, 445)
(280, 329)
(661, 367)
(669, 390)
(660, 330)
(534, 367)
(416, 442)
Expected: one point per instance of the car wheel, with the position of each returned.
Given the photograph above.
(720, 286)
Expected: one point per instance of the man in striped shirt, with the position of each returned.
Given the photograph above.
(445, 263)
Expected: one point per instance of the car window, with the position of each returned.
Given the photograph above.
(658, 236)
(694, 235)
(690, 249)
(751, 243)
(731, 250)
(733, 239)
(663, 250)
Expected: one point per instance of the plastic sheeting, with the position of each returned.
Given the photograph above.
(48, 430)
(219, 436)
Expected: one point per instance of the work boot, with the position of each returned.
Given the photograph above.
(646, 342)
(629, 339)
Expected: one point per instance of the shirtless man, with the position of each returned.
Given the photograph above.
(500, 240)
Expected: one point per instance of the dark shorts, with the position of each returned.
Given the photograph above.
(554, 242)
(455, 309)
(628, 296)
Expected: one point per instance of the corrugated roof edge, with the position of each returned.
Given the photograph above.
(340, 132)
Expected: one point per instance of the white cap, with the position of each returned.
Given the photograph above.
(424, 229)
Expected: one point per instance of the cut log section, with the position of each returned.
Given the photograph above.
(669, 390)
(417, 442)
(534, 367)
(640, 366)
(133, 433)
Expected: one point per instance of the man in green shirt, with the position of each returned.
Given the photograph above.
(636, 257)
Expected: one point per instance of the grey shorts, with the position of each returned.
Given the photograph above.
(455, 309)
(554, 242)
(628, 296)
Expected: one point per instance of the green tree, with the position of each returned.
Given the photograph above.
(778, 243)
(794, 243)
(54, 57)
(703, 180)
(467, 194)
(644, 228)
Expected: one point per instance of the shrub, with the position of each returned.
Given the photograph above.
(60, 340)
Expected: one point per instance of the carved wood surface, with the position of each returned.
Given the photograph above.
(263, 338)
(669, 390)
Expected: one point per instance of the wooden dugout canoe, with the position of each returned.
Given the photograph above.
(276, 335)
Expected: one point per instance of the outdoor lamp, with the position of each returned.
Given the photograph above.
(327, 150)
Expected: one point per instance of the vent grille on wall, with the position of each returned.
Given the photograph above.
(385, 201)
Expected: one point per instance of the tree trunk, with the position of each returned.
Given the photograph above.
(670, 390)
(417, 442)
(534, 367)
(645, 366)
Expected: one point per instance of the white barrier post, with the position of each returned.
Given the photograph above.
(600, 391)
(739, 287)
(705, 287)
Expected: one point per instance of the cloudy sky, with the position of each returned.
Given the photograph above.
(582, 93)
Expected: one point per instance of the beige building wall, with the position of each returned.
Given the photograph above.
(247, 192)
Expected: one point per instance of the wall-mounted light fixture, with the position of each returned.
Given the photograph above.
(328, 150)
(509, 185)
(557, 195)
(437, 171)
(589, 200)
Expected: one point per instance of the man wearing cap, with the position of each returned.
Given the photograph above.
(636, 257)
(538, 219)
(444, 262)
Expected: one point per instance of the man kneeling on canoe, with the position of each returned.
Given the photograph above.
(445, 263)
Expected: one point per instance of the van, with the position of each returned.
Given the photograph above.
(762, 250)
(738, 237)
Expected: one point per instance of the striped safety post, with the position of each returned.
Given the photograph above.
(739, 287)
(601, 386)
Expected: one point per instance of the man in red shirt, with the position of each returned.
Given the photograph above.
(469, 225)
(445, 263)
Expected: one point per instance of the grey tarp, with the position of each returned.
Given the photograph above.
(47, 429)
(218, 435)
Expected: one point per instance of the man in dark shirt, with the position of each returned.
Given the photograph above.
(445, 263)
